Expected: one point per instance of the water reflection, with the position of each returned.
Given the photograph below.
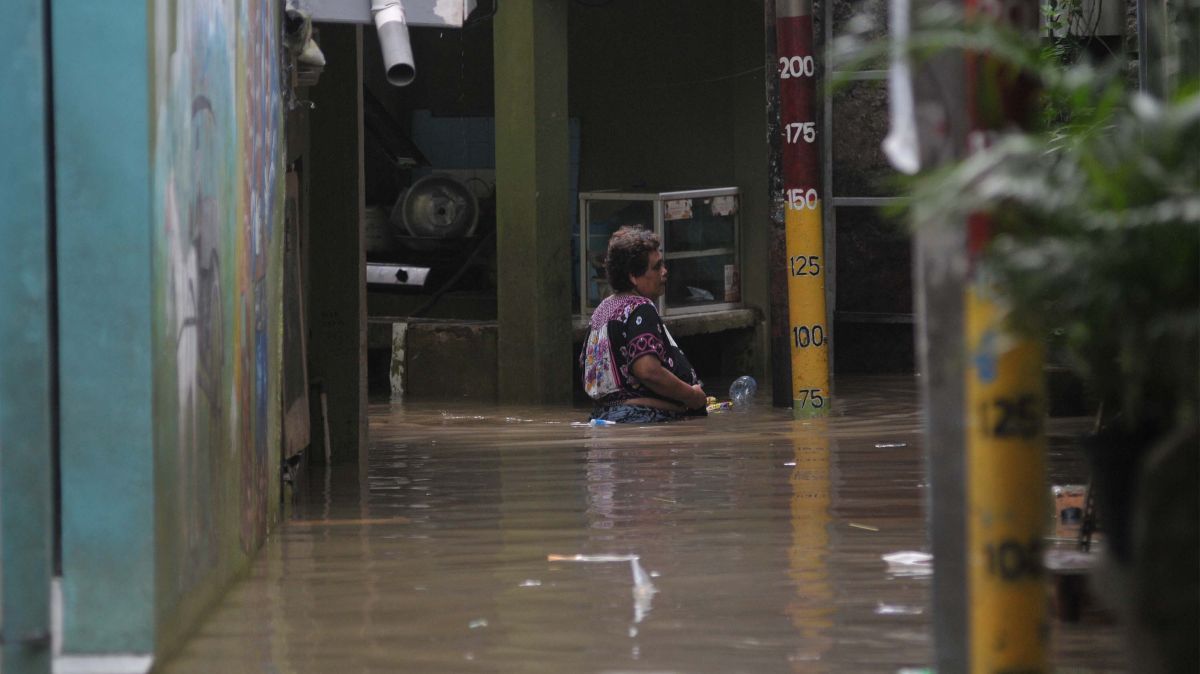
(812, 609)
(466, 547)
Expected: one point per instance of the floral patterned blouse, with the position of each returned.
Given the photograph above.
(623, 329)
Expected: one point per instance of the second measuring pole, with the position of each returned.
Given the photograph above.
(796, 70)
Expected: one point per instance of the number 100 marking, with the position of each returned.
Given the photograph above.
(805, 336)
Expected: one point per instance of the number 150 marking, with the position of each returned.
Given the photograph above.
(800, 199)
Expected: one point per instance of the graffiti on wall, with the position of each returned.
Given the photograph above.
(218, 197)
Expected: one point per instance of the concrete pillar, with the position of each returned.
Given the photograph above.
(103, 216)
(939, 276)
(532, 214)
(26, 528)
(337, 290)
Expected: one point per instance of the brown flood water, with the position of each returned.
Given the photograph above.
(758, 543)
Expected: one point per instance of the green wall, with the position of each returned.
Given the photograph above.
(26, 357)
(105, 376)
(169, 166)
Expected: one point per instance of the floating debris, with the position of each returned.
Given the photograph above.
(864, 527)
(909, 563)
(531, 583)
(643, 589)
(890, 445)
(896, 609)
(476, 624)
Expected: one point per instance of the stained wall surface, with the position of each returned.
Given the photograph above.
(217, 240)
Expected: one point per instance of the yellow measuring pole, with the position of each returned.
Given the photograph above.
(800, 159)
(806, 308)
(1006, 449)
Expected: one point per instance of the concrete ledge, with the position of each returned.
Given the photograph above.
(438, 359)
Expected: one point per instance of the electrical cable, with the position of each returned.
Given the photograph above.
(445, 287)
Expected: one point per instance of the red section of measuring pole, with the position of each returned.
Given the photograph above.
(998, 96)
(796, 70)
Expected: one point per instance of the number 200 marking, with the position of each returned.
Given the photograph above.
(796, 66)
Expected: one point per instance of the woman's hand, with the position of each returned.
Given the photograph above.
(698, 399)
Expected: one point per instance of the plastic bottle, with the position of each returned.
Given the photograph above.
(742, 391)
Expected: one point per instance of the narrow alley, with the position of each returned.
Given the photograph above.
(759, 545)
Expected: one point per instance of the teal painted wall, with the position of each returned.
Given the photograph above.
(25, 358)
(170, 204)
(217, 171)
(103, 215)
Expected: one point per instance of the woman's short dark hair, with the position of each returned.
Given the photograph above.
(629, 253)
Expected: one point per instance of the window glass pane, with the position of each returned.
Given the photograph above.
(604, 218)
(859, 125)
(699, 224)
(874, 263)
(699, 281)
(853, 15)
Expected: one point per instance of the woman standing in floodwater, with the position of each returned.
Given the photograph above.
(632, 367)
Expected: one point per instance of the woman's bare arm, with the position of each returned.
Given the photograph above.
(659, 379)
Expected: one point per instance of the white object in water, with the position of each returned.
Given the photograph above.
(643, 589)
(909, 563)
(742, 390)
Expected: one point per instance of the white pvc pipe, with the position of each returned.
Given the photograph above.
(392, 27)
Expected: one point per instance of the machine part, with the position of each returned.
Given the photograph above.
(392, 26)
(436, 207)
(396, 274)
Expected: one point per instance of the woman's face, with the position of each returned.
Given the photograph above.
(653, 282)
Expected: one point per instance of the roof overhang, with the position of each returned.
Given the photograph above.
(438, 13)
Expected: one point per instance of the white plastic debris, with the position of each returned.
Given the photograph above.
(643, 589)
(909, 563)
(896, 609)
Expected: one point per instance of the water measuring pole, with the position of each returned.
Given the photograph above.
(1005, 407)
(796, 72)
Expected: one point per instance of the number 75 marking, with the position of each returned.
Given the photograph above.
(811, 396)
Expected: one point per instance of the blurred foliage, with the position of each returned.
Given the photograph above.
(1097, 239)
(1096, 213)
